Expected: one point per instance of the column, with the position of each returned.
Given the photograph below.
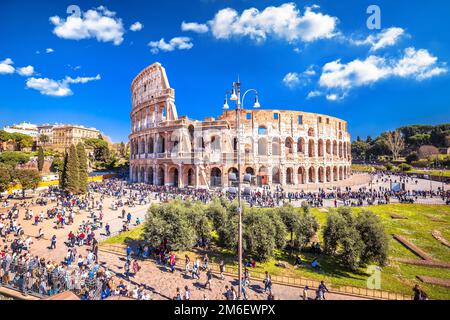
(180, 176)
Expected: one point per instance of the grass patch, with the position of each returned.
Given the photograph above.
(396, 277)
(437, 173)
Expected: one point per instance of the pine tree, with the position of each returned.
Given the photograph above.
(72, 184)
(82, 168)
(63, 173)
(41, 159)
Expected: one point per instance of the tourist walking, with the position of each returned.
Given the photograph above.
(267, 283)
(53, 242)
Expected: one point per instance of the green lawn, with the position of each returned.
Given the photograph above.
(437, 173)
(396, 277)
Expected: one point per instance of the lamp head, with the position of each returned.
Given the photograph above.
(225, 104)
(233, 95)
(257, 104)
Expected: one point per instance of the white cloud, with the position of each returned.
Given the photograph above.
(385, 38)
(49, 50)
(313, 94)
(310, 71)
(355, 73)
(284, 22)
(413, 64)
(6, 66)
(194, 27)
(294, 79)
(291, 79)
(418, 64)
(26, 71)
(57, 88)
(335, 96)
(137, 26)
(177, 43)
(99, 23)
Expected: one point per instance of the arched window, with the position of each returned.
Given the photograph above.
(311, 147)
(289, 145)
(301, 145)
(262, 147)
(276, 147)
(262, 130)
(216, 177)
(276, 175)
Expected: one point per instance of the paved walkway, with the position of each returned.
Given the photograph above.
(40, 247)
(164, 283)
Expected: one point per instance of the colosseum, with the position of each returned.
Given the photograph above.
(294, 149)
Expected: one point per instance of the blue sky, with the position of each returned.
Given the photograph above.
(316, 56)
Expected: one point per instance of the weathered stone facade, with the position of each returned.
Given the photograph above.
(290, 148)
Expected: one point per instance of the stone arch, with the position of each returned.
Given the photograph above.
(289, 146)
(173, 176)
(289, 176)
(160, 179)
(320, 148)
(301, 174)
(335, 174)
(276, 146)
(321, 175)
(141, 146)
(263, 175)
(328, 147)
(340, 173)
(142, 174)
(340, 150)
(312, 174)
(150, 145)
(216, 177)
(311, 147)
(160, 144)
(335, 151)
(276, 176)
(188, 176)
(215, 143)
(250, 170)
(262, 147)
(150, 175)
(328, 174)
(262, 130)
(301, 146)
(191, 131)
(235, 171)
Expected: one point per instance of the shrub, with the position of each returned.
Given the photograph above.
(376, 243)
(355, 241)
(13, 158)
(169, 222)
(405, 167)
(259, 234)
(389, 166)
(413, 156)
(420, 163)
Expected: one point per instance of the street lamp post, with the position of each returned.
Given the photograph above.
(236, 96)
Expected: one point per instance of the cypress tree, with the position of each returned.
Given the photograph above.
(41, 159)
(72, 184)
(63, 173)
(82, 168)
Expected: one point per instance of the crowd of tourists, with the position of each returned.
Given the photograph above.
(265, 197)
